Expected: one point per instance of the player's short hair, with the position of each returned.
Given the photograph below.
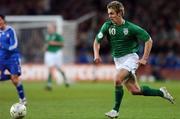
(117, 6)
(2, 16)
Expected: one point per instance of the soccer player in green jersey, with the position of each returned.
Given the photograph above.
(123, 37)
(53, 55)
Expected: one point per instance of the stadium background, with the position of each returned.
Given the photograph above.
(161, 20)
(90, 99)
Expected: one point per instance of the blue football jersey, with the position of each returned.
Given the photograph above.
(9, 54)
(8, 43)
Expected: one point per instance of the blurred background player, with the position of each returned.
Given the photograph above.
(123, 37)
(54, 54)
(10, 58)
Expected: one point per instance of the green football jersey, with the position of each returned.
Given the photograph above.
(54, 37)
(124, 38)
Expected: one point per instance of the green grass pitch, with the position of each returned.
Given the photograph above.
(88, 100)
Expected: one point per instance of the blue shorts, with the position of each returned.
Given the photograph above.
(13, 66)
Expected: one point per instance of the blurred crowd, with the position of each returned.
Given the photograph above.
(161, 18)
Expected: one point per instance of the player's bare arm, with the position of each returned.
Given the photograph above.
(55, 43)
(96, 48)
(147, 50)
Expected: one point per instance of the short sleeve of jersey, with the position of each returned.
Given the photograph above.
(141, 34)
(102, 32)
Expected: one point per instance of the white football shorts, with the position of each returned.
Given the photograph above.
(128, 62)
(53, 58)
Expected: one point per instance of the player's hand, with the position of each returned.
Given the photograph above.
(97, 60)
(142, 61)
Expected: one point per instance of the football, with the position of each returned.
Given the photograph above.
(18, 111)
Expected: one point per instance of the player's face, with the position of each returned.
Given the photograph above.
(113, 15)
(51, 29)
(2, 23)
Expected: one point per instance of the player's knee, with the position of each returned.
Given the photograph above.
(15, 80)
(118, 82)
(51, 70)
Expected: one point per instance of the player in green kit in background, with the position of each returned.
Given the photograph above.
(53, 55)
(123, 37)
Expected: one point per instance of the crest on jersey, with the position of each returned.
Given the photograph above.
(7, 35)
(125, 31)
(100, 35)
(112, 31)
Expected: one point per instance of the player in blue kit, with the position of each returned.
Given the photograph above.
(10, 58)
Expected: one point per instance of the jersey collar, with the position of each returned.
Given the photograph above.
(123, 22)
(6, 28)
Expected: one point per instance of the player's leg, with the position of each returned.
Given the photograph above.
(49, 79)
(135, 89)
(19, 87)
(49, 62)
(64, 77)
(59, 62)
(132, 84)
(15, 70)
(123, 65)
(131, 64)
(119, 92)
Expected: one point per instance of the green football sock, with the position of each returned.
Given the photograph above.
(147, 91)
(49, 81)
(119, 92)
(64, 76)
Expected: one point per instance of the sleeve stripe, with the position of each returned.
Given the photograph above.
(15, 39)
